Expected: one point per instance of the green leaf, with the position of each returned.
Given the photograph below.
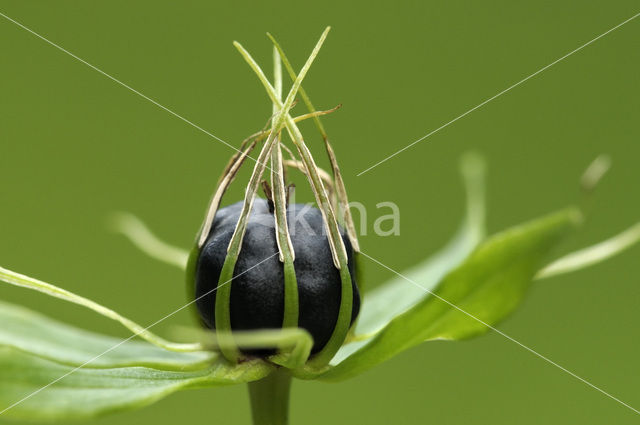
(592, 255)
(17, 279)
(146, 241)
(382, 304)
(387, 301)
(31, 332)
(86, 392)
(479, 293)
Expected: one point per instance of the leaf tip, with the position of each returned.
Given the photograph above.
(473, 165)
(576, 216)
(595, 172)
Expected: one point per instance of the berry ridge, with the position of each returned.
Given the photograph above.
(257, 296)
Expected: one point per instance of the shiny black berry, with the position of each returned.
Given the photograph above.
(257, 292)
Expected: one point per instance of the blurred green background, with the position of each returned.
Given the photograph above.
(76, 146)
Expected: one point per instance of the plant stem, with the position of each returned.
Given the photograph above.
(270, 399)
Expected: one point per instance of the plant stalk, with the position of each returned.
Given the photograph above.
(270, 399)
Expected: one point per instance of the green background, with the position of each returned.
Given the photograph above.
(75, 146)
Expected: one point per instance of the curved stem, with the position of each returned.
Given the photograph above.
(270, 399)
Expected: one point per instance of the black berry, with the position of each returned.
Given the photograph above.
(257, 292)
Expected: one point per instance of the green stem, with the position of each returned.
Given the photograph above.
(270, 399)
